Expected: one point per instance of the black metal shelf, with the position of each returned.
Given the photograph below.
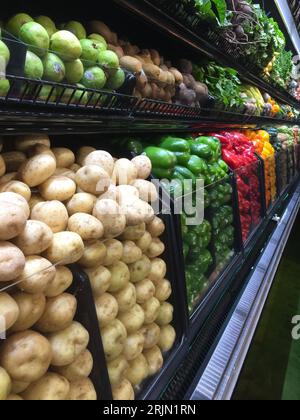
(163, 22)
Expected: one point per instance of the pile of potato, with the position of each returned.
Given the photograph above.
(57, 209)
(156, 77)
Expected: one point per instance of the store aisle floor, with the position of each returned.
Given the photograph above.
(272, 368)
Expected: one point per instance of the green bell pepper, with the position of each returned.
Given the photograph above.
(161, 173)
(202, 150)
(223, 165)
(186, 173)
(175, 144)
(191, 239)
(161, 158)
(198, 166)
(182, 158)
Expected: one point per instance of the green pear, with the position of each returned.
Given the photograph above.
(74, 71)
(94, 78)
(45, 92)
(4, 87)
(99, 38)
(90, 51)
(4, 53)
(34, 68)
(16, 22)
(116, 80)
(79, 97)
(47, 23)
(66, 46)
(54, 68)
(108, 59)
(36, 37)
(76, 28)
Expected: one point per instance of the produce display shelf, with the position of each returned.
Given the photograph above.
(23, 109)
(204, 336)
(169, 25)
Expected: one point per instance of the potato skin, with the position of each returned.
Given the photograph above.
(109, 213)
(167, 338)
(107, 309)
(131, 253)
(13, 217)
(53, 213)
(23, 143)
(145, 290)
(5, 384)
(134, 233)
(151, 335)
(123, 391)
(88, 227)
(66, 248)
(60, 188)
(140, 270)
(133, 320)
(58, 314)
(114, 252)
(138, 370)
(9, 311)
(64, 157)
(37, 170)
(31, 308)
(12, 262)
(155, 360)
(95, 253)
(120, 277)
(62, 281)
(35, 238)
(100, 279)
(51, 387)
(82, 390)
(114, 337)
(81, 203)
(68, 344)
(143, 165)
(156, 228)
(38, 273)
(116, 370)
(102, 159)
(126, 298)
(134, 345)
(93, 180)
(2, 166)
(30, 363)
(17, 187)
(79, 369)
(14, 397)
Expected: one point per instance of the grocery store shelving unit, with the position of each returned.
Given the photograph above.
(124, 114)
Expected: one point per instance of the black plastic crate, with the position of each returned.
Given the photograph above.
(86, 315)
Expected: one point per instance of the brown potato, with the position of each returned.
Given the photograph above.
(134, 345)
(38, 273)
(155, 360)
(26, 356)
(52, 213)
(34, 200)
(124, 172)
(145, 242)
(109, 213)
(35, 238)
(126, 298)
(123, 391)
(81, 203)
(114, 338)
(94, 255)
(167, 338)
(51, 387)
(23, 143)
(31, 308)
(140, 270)
(87, 226)
(82, 390)
(120, 277)
(131, 253)
(116, 370)
(151, 309)
(100, 278)
(10, 198)
(82, 153)
(156, 228)
(165, 314)
(39, 149)
(66, 248)
(114, 252)
(147, 190)
(66, 173)
(58, 314)
(79, 369)
(137, 371)
(107, 309)
(2, 166)
(37, 170)
(151, 335)
(12, 262)
(133, 320)
(145, 290)
(62, 281)
(156, 249)
(68, 344)
(19, 387)
(58, 188)
(64, 157)
(163, 290)
(9, 312)
(134, 233)
(131, 64)
(102, 159)
(158, 270)
(93, 180)
(18, 188)
(13, 218)
(5, 384)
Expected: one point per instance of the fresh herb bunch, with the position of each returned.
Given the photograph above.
(282, 69)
